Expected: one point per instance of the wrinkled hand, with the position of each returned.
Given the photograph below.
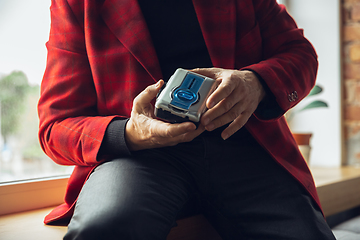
(234, 101)
(144, 131)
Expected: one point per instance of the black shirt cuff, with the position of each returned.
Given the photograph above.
(114, 143)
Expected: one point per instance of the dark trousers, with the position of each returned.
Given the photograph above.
(242, 191)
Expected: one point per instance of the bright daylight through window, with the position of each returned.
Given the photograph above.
(24, 27)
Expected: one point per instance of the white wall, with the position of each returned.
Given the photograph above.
(321, 22)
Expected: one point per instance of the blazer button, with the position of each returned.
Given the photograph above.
(293, 96)
(290, 98)
(296, 95)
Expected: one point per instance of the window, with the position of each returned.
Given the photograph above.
(24, 27)
(320, 20)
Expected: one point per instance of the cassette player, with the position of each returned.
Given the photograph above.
(184, 97)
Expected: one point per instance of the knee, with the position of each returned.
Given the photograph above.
(86, 230)
(133, 226)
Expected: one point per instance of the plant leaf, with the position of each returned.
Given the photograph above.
(314, 104)
(316, 90)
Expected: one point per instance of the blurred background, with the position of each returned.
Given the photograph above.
(333, 27)
(24, 30)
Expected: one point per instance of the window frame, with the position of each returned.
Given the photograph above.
(32, 194)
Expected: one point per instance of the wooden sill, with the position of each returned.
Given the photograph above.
(33, 194)
(29, 225)
(337, 188)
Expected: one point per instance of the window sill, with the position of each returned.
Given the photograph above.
(335, 186)
(33, 194)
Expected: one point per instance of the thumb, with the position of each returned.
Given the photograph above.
(148, 94)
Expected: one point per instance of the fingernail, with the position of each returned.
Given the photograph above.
(210, 127)
(225, 136)
(191, 128)
(211, 105)
(157, 84)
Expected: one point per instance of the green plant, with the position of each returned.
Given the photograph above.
(314, 104)
(13, 90)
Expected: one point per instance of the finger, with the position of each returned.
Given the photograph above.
(175, 133)
(224, 89)
(148, 94)
(231, 103)
(235, 125)
(189, 136)
(223, 116)
(185, 137)
(172, 130)
(218, 75)
(143, 132)
(207, 72)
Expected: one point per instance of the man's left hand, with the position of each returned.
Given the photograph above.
(234, 101)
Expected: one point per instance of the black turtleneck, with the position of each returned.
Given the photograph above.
(176, 35)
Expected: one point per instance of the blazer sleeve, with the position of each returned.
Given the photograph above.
(289, 65)
(71, 131)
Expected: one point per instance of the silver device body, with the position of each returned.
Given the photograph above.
(184, 97)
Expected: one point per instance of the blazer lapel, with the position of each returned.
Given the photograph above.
(125, 20)
(217, 20)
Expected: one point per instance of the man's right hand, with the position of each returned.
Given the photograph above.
(144, 131)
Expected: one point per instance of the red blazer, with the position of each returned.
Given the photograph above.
(100, 56)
